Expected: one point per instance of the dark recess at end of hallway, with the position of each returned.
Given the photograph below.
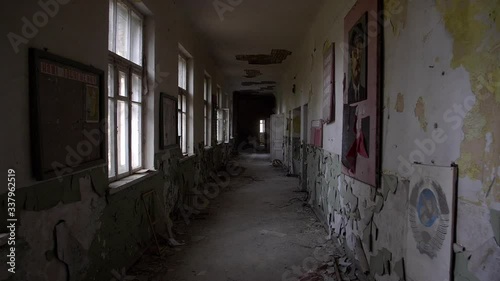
(248, 110)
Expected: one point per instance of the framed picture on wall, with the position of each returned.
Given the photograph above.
(92, 104)
(168, 121)
(362, 93)
(66, 103)
(329, 83)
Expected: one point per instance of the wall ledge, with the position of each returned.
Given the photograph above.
(131, 180)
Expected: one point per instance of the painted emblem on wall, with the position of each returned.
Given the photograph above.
(429, 216)
(431, 224)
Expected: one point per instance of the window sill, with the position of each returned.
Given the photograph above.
(129, 181)
(187, 157)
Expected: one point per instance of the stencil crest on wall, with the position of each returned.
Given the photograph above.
(431, 223)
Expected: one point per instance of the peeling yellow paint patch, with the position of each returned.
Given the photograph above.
(326, 45)
(476, 123)
(396, 11)
(420, 113)
(400, 103)
(474, 27)
(466, 163)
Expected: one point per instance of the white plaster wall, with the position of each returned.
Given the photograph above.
(416, 65)
(306, 64)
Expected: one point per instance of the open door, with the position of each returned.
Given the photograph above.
(277, 136)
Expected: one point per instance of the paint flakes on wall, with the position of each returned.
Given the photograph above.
(495, 224)
(396, 11)
(484, 261)
(400, 103)
(461, 268)
(71, 252)
(366, 219)
(489, 141)
(380, 264)
(420, 113)
(473, 25)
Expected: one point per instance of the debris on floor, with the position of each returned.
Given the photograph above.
(272, 233)
(336, 267)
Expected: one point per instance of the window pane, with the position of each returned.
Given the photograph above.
(122, 30)
(205, 89)
(111, 81)
(123, 84)
(136, 136)
(184, 133)
(205, 125)
(219, 125)
(184, 103)
(179, 126)
(111, 38)
(122, 135)
(136, 88)
(136, 39)
(111, 139)
(226, 125)
(182, 73)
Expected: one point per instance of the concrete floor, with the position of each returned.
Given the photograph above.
(254, 230)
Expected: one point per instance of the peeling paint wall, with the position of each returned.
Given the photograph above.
(100, 231)
(77, 228)
(441, 94)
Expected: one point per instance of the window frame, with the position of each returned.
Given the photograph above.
(220, 117)
(226, 129)
(131, 8)
(121, 64)
(207, 110)
(183, 105)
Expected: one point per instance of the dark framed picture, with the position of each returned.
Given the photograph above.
(357, 56)
(92, 104)
(168, 121)
(329, 84)
(361, 137)
(66, 107)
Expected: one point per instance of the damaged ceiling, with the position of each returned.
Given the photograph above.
(263, 34)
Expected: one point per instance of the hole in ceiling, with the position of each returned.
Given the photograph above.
(252, 83)
(252, 73)
(254, 92)
(277, 56)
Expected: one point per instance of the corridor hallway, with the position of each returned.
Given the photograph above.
(118, 114)
(258, 228)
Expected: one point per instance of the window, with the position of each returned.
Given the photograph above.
(262, 132)
(182, 105)
(225, 132)
(220, 122)
(206, 111)
(125, 74)
(262, 127)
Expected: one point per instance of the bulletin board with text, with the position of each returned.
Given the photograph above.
(67, 113)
